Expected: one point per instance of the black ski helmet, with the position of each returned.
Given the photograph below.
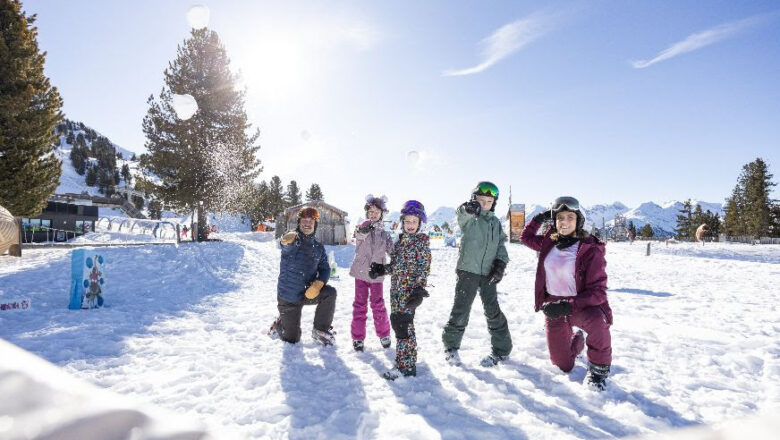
(485, 188)
(568, 203)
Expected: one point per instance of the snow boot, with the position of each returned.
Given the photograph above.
(323, 337)
(395, 373)
(597, 376)
(385, 342)
(451, 356)
(492, 360)
(273, 332)
(357, 344)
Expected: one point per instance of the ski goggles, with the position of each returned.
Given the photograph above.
(309, 213)
(413, 205)
(486, 189)
(567, 202)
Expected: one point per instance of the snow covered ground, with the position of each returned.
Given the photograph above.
(695, 341)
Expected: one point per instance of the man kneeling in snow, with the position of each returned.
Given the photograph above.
(303, 272)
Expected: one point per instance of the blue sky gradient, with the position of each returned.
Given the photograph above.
(548, 97)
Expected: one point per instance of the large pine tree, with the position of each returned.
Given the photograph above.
(208, 161)
(29, 112)
(749, 209)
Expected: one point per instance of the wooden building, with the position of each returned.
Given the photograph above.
(332, 227)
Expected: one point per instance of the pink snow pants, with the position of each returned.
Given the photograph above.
(359, 310)
(562, 344)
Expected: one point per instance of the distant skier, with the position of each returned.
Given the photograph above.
(372, 244)
(481, 263)
(410, 264)
(303, 274)
(571, 289)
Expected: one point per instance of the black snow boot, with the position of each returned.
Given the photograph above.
(597, 376)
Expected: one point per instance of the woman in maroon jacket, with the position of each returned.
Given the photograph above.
(571, 289)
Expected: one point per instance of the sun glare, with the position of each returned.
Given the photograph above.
(273, 67)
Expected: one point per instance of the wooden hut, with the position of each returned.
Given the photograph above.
(332, 227)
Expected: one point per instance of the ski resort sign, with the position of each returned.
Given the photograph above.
(87, 279)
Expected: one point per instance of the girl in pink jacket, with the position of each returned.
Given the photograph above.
(372, 244)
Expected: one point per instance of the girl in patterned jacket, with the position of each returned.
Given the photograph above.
(410, 264)
(372, 243)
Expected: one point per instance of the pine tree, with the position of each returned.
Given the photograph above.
(275, 200)
(684, 222)
(208, 161)
(774, 220)
(78, 157)
(732, 222)
(748, 210)
(647, 231)
(155, 209)
(91, 177)
(29, 112)
(257, 204)
(314, 193)
(697, 219)
(631, 228)
(293, 194)
(758, 186)
(126, 176)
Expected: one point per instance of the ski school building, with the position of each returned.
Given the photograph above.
(331, 228)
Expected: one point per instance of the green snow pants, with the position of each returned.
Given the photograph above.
(465, 292)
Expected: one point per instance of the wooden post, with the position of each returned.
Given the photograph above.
(178, 233)
(648, 249)
(16, 249)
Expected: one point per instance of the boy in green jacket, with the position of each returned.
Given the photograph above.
(481, 265)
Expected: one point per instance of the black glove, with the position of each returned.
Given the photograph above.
(543, 216)
(472, 207)
(497, 272)
(557, 309)
(416, 297)
(378, 270)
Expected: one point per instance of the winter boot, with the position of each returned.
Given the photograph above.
(357, 344)
(451, 356)
(395, 373)
(273, 332)
(385, 342)
(492, 360)
(323, 337)
(597, 376)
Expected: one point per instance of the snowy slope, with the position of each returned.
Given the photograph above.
(72, 182)
(185, 329)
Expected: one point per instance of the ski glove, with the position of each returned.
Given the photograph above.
(366, 227)
(378, 270)
(497, 272)
(314, 289)
(416, 297)
(472, 207)
(543, 216)
(557, 309)
(288, 238)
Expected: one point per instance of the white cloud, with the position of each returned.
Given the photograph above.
(702, 39)
(505, 41)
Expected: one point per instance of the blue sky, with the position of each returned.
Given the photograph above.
(606, 100)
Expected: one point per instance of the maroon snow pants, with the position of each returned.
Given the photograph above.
(562, 344)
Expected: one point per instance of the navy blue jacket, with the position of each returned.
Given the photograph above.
(303, 261)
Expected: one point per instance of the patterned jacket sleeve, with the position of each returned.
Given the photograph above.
(423, 261)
